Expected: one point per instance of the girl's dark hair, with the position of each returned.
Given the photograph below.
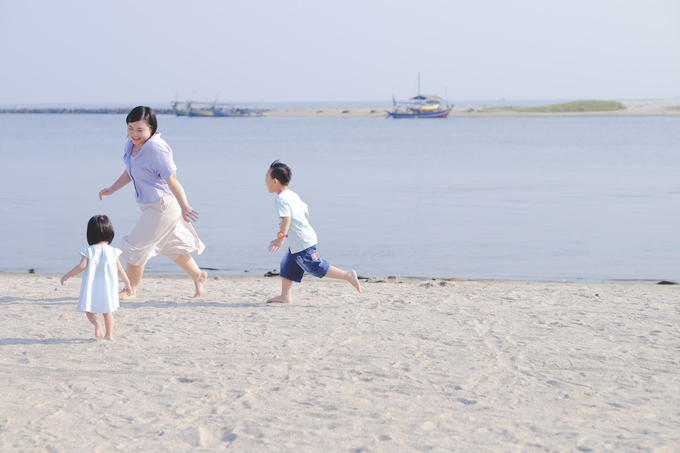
(99, 229)
(143, 113)
(282, 172)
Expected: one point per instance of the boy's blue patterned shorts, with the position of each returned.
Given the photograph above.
(294, 265)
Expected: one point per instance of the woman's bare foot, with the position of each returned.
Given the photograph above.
(123, 295)
(279, 300)
(353, 279)
(199, 282)
(108, 337)
(98, 332)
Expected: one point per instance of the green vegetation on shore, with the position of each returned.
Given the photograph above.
(577, 106)
(673, 107)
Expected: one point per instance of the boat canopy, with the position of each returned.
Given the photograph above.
(430, 98)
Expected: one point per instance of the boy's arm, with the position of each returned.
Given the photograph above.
(123, 275)
(276, 244)
(76, 270)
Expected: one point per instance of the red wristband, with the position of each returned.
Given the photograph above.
(281, 235)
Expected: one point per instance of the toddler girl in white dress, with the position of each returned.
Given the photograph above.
(99, 289)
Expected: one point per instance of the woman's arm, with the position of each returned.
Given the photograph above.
(76, 270)
(123, 275)
(178, 191)
(119, 184)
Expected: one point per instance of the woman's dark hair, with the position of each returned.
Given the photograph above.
(282, 172)
(99, 229)
(147, 114)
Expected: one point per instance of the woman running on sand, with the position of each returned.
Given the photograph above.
(164, 224)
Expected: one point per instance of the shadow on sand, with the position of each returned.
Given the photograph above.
(40, 301)
(133, 304)
(48, 341)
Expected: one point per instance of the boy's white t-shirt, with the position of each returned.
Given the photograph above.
(301, 235)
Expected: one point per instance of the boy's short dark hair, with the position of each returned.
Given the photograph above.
(282, 172)
(99, 229)
(143, 113)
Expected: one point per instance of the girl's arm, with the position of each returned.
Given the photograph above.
(276, 244)
(124, 277)
(119, 184)
(180, 195)
(76, 270)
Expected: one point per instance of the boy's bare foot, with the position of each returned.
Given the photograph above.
(353, 279)
(124, 295)
(108, 337)
(279, 300)
(98, 332)
(199, 282)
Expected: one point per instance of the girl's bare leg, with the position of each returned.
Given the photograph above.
(349, 276)
(108, 322)
(134, 273)
(286, 296)
(199, 277)
(98, 333)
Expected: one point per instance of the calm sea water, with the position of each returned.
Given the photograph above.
(510, 198)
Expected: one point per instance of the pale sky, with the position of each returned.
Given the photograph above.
(87, 51)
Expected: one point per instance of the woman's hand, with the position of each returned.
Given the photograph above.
(107, 191)
(122, 181)
(63, 279)
(178, 191)
(189, 213)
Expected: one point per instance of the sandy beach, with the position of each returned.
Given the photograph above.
(417, 365)
(633, 108)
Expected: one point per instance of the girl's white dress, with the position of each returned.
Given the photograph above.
(99, 290)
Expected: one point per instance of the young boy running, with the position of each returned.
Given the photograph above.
(301, 256)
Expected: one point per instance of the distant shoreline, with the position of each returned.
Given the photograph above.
(633, 108)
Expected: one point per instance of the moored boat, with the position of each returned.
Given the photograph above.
(421, 106)
(178, 111)
(213, 109)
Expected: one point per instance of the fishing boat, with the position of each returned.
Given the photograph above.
(179, 111)
(420, 106)
(213, 109)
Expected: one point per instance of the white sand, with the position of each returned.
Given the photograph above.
(470, 366)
